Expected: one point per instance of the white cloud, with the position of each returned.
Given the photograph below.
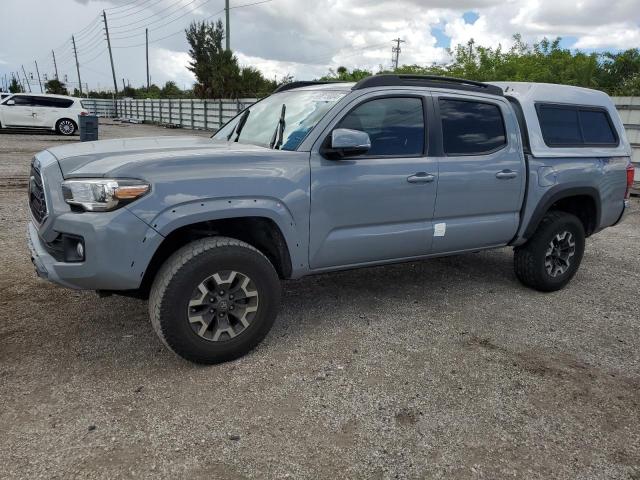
(169, 65)
(620, 36)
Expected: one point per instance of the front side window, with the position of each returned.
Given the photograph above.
(22, 101)
(395, 125)
(471, 127)
(303, 109)
(575, 126)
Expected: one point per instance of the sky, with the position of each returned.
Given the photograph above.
(302, 38)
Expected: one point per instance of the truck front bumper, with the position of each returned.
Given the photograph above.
(117, 251)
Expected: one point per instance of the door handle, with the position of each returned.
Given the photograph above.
(506, 174)
(421, 177)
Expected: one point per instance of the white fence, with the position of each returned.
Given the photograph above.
(629, 110)
(208, 114)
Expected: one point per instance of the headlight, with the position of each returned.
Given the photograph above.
(101, 195)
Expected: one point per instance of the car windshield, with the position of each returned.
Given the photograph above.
(304, 109)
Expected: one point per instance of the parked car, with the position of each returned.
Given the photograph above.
(320, 177)
(40, 111)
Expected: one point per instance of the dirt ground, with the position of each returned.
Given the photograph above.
(446, 368)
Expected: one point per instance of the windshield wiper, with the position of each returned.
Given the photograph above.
(239, 126)
(277, 138)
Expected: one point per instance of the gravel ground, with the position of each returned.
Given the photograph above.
(446, 368)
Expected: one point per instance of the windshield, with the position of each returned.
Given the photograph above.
(303, 111)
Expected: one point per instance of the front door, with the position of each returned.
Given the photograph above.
(19, 114)
(482, 174)
(376, 206)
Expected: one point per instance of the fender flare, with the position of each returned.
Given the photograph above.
(553, 195)
(203, 210)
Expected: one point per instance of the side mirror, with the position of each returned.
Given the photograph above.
(10, 102)
(345, 142)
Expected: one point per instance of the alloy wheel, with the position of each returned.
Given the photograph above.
(66, 127)
(560, 250)
(223, 306)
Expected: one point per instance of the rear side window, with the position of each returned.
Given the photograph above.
(470, 127)
(596, 127)
(575, 126)
(395, 125)
(52, 102)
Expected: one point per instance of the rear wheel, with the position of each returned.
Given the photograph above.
(214, 300)
(550, 259)
(66, 127)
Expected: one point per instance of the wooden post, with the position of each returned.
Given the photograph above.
(220, 113)
(192, 115)
(206, 114)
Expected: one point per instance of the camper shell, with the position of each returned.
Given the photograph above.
(531, 99)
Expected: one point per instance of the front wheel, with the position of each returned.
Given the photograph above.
(551, 257)
(214, 300)
(66, 127)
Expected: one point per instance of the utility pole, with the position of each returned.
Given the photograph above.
(396, 52)
(227, 30)
(55, 65)
(113, 70)
(146, 32)
(38, 72)
(75, 52)
(27, 79)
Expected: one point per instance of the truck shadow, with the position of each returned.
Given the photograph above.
(117, 329)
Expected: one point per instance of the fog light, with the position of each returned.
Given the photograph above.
(73, 248)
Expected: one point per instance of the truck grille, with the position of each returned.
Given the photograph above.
(37, 202)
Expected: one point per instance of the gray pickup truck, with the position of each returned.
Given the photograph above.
(321, 177)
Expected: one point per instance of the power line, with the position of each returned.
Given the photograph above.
(159, 26)
(158, 13)
(182, 30)
(132, 7)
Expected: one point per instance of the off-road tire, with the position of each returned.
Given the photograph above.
(63, 127)
(529, 259)
(184, 270)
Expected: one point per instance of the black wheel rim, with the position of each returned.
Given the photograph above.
(223, 306)
(560, 251)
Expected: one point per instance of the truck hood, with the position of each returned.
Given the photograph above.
(113, 157)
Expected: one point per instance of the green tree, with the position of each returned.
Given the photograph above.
(15, 86)
(171, 90)
(544, 61)
(217, 72)
(56, 86)
(128, 92)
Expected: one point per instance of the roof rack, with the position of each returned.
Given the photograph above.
(433, 81)
(302, 83)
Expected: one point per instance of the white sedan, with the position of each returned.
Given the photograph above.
(41, 111)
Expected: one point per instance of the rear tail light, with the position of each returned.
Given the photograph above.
(82, 114)
(630, 173)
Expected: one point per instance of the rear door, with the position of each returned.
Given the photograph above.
(377, 206)
(20, 114)
(48, 110)
(481, 173)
